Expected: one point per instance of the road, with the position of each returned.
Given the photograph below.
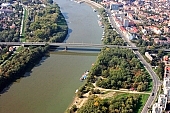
(155, 79)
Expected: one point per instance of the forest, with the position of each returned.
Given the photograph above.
(119, 68)
(117, 104)
(46, 24)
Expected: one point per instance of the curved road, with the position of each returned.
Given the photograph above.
(156, 81)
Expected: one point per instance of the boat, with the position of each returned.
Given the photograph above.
(94, 10)
(84, 76)
(76, 90)
(100, 23)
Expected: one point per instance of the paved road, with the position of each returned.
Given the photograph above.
(156, 82)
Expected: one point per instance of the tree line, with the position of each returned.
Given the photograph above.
(46, 24)
(110, 35)
(119, 68)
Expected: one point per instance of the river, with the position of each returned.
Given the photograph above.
(50, 86)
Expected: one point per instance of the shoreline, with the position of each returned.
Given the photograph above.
(76, 100)
(91, 3)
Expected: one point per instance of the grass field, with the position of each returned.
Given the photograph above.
(142, 101)
(22, 38)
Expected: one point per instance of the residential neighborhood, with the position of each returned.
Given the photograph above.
(146, 21)
(142, 19)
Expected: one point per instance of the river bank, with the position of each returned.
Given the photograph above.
(93, 4)
(19, 65)
(76, 100)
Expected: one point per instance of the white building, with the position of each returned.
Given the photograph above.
(166, 82)
(167, 93)
(156, 108)
(5, 4)
(129, 36)
(148, 56)
(162, 100)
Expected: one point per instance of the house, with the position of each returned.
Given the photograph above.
(133, 30)
(11, 48)
(12, 26)
(144, 31)
(165, 58)
(155, 30)
(148, 56)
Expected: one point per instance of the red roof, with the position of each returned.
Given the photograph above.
(166, 58)
(122, 29)
(134, 29)
(168, 68)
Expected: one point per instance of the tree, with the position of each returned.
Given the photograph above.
(50, 1)
(160, 53)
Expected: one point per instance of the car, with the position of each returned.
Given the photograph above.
(152, 94)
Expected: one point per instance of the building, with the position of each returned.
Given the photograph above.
(115, 6)
(166, 82)
(162, 100)
(167, 93)
(130, 36)
(165, 58)
(5, 5)
(156, 108)
(148, 56)
(125, 22)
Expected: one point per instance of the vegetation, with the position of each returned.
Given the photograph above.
(110, 35)
(119, 68)
(10, 24)
(17, 65)
(46, 24)
(120, 103)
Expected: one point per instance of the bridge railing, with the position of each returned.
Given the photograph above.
(64, 44)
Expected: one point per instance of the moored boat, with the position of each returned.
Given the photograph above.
(84, 76)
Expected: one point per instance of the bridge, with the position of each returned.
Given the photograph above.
(75, 45)
(63, 44)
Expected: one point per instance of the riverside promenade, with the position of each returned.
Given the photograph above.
(92, 3)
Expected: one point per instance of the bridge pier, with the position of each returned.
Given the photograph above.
(65, 48)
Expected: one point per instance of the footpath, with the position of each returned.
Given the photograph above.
(92, 3)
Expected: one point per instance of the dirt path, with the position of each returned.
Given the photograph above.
(121, 90)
